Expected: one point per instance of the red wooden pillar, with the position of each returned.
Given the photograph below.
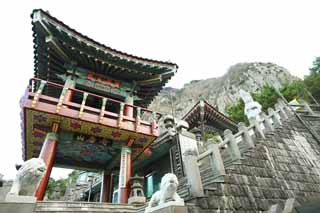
(105, 194)
(70, 83)
(128, 110)
(124, 175)
(48, 153)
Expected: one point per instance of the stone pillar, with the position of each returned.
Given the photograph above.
(282, 113)
(233, 147)
(197, 132)
(169, 124)
(48, 154)
(275, 117)
(193, 173)
(105, 187)
(124, 175)
(246, 136)
(257, 127)
(216, 161)
(307, 107)
(70, 83)
(266, 122)
(287, 108)
(128, 110)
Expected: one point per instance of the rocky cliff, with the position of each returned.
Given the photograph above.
(221, 91)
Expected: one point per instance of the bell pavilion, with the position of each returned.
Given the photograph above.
(85, 107)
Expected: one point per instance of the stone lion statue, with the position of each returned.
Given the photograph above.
(168, 191)
(28, 177)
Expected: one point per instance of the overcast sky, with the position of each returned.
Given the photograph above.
(202, 37)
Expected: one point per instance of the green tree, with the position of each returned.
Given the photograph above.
(50, 188)
(315, 69)
(312, 81)
(236, 112)
(294, 90)
(267, 97)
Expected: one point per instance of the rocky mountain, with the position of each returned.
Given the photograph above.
(221, 91)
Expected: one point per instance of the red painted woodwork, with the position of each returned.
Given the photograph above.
(128, 108)
(125, 191)
(103, 80)
(68, 96)
(49, 104)
(48, 153)
(106, 187)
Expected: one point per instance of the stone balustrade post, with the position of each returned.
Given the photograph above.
(257, 127)
(287, 108)
(307, 107)
(275, 117)
(245, 135)
(216, 162)
(233, 148)
(266, 122)
(182, 126)
(169, 124)
(193, 173)
(282, 113)
(197, 132)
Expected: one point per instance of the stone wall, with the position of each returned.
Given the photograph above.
(4, 189)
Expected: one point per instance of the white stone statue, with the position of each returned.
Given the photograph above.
(168, 192)
(28, 177)
(251, 108)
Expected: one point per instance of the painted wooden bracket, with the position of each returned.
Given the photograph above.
(85, 95)
(38, 93)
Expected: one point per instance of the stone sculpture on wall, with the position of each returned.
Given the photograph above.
(251, 108)
(28, 177)
(168, 192)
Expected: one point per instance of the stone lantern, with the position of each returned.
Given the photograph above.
(136, 194)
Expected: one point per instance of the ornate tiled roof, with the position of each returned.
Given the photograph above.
(57, 47)
(205, 113)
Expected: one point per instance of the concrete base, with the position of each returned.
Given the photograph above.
(169, 207)
(137, 200)
(17, 207)
(20, 199)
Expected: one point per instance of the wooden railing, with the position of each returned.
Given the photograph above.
(55, 98)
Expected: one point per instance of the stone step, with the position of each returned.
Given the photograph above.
(63, 206)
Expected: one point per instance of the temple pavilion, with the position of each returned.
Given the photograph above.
(85, 107)
(206, 118)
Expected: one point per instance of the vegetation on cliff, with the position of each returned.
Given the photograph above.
(267, 97)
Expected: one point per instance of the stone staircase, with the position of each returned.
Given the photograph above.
(209, 178)
(62, 206)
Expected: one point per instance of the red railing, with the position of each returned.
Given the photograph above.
(57, 99)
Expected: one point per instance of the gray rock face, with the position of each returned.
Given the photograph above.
(223, 90)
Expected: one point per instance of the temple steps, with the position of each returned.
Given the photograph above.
(64, 206)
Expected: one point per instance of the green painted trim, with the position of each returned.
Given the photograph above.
(52, 136)
(126, 149)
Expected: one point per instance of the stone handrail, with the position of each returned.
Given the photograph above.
(266, 123)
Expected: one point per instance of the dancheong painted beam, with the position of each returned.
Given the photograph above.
(88, 137)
